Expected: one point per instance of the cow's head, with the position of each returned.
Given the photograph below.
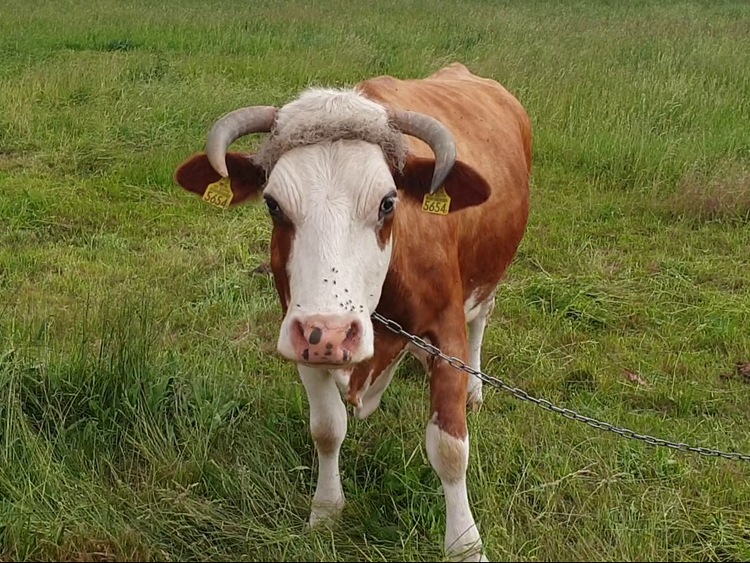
(331, 173)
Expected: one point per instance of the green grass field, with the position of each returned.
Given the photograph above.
(144, 414)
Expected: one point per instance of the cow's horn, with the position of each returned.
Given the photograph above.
(233, 125)
(436, 135)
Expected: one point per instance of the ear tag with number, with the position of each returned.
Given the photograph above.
(219, 193)
(438, 203)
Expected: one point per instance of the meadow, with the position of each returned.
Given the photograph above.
(144, 413)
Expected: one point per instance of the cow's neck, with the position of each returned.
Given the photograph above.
(400, 296)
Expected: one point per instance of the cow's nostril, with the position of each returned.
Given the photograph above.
(315, 335)
(353, 331)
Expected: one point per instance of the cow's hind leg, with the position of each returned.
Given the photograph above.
(475, 330)
(328, 428)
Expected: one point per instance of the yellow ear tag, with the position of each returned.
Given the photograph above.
(438, 203)
(219, 193)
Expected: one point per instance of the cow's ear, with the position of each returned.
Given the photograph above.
(246, 178)
(464, 185)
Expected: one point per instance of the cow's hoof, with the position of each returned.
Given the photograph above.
(470, 550)
(323, 514)
(471, 556)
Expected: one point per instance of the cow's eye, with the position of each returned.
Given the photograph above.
(273, 206)
(387, 205)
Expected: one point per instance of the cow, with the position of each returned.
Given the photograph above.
(408, 197)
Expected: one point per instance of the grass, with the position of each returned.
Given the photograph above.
(143, 412)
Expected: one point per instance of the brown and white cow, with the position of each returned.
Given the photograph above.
(344, 173)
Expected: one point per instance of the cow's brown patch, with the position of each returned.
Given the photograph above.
(281, 246)
(384, 232)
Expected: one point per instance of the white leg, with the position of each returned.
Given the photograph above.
(328, 429)
(371, 396)
(449, 457)
(476, 335)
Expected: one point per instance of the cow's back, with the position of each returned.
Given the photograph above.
(493, 135)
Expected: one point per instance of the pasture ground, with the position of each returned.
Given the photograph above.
(143, 412)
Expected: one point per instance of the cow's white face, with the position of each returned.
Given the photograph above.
(332, 205)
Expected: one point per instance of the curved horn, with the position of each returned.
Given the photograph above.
(233, 125)
(436, 135)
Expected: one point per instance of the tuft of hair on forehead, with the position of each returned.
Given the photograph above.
(321, 115)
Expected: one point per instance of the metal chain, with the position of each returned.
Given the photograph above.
(545, 404)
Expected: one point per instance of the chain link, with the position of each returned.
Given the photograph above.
(545, 404)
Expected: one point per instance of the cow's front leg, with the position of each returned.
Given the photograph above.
(448, 452)
(328, 429)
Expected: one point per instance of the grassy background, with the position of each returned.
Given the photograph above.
(143, 412)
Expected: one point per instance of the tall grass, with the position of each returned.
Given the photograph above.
(144, 414)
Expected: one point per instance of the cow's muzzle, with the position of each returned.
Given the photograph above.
(326, 339)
